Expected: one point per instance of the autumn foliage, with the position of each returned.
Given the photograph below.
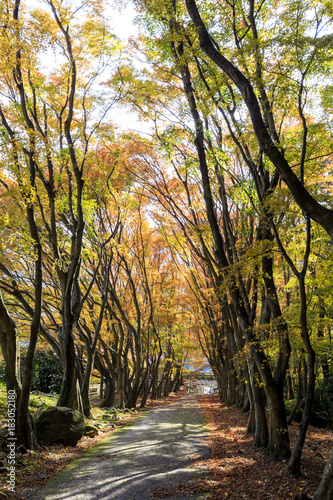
(206, 241)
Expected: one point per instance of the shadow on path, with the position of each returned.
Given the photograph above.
(154, 452)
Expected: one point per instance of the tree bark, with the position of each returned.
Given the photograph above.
(261, 430)
(10, 348)
(325, 488)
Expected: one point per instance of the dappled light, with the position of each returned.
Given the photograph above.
(184, 253)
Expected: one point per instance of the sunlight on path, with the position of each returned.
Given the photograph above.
(152, 453)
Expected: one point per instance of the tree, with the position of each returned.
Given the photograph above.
(263, 123)
(49, 119)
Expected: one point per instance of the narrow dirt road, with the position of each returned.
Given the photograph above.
(140, 460)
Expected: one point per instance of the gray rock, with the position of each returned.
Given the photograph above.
(59, 425)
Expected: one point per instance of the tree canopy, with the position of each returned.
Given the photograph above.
(208, 241)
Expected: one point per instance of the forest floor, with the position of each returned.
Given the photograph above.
(237, 469)
(241, 471)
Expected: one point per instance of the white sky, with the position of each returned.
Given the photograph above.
(122, 23)
(120, 18)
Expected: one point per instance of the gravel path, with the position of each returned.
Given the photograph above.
(153, 452)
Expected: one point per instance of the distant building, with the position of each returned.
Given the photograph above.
(204, 386)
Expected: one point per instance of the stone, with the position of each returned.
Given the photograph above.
(90, 430)
(59, 425)
(22, 449)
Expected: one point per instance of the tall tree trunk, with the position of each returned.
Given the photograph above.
(10, 348)
(121, 387)
(261, 429)
(289, 387)
(232, 392)
(23, 429)
(325, 488)
(70, 394)
(109, 378)
(85, 385)
(295, 459)
(109, 397)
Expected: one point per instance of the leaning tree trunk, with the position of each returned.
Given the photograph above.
(91, 348)
(308, 204)
(24, 428)
(325, 488)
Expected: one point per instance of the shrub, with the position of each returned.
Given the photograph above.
(46, 377)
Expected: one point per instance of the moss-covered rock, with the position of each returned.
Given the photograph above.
(59, 425)
(90, 430)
